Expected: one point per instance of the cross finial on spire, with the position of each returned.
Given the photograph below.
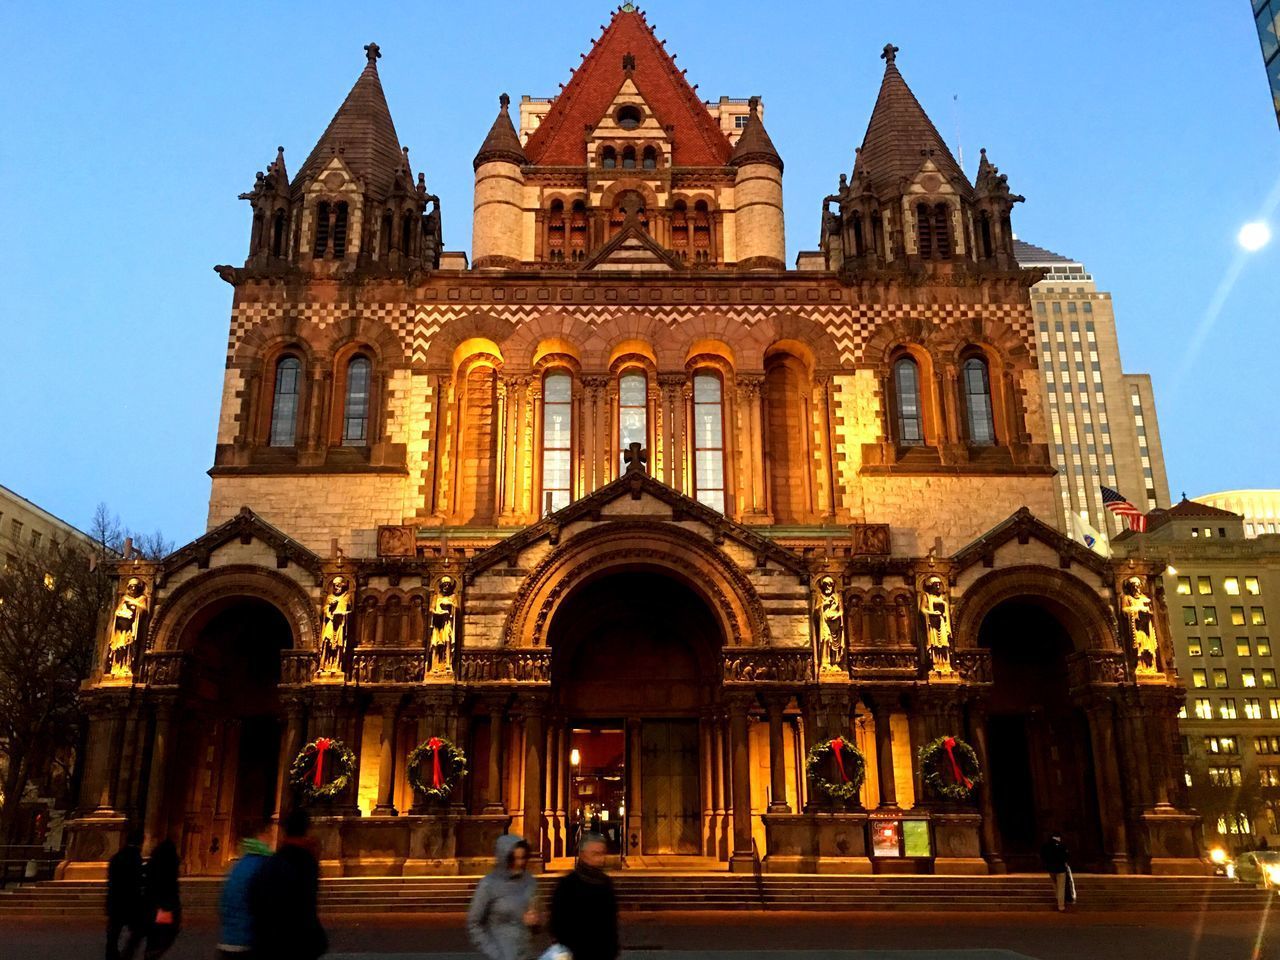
(627, 8)
(754, 104)
(372, 52)
(636, 458)
(628, 61)
(503, 101)
(890, 53)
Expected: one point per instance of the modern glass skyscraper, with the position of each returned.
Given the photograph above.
(1267, 15)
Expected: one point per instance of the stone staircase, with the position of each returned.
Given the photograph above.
(650, 892)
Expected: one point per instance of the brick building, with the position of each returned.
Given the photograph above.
(636, 517)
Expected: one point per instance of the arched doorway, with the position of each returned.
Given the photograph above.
(229, 729)
(635, 658)
(1041, 772)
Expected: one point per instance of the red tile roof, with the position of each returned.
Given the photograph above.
(696, 137)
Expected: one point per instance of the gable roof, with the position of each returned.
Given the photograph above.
(696, 138)
(634, 484)
(900, 137)
(245, 526)
(631, 248)
(1025, 526)
(363, 133)
(1186, 509)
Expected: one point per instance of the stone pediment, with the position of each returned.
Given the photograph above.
(633, 249)
(245, 529)
(637, 497)
(1025, 528)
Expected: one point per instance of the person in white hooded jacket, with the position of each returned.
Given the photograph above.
(502, 915)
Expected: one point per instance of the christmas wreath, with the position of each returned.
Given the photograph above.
(850, 768)
(446, 763)
(323, 769)
(950, 768)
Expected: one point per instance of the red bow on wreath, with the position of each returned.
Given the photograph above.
(837, 748)
(437, 779)
(322, 745)
(949, 745)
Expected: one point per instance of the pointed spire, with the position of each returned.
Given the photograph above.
(754, 145)
(990, 182)
(900, 137)
(362, 133)
(502, 143)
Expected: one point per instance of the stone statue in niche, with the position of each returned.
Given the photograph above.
(936, 610)
(126, 629)
(1136, 606)
(444, 626)
(337, 614)
(829, 611)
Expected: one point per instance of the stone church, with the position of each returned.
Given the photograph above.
(660, 537)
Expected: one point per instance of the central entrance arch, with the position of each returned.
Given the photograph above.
(635, 663)
(1042, 773)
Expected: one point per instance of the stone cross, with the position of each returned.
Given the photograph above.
(628, 62)
(635, 457)
(890, 53)
(372, 52)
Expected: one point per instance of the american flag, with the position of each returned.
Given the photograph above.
(1117, 504)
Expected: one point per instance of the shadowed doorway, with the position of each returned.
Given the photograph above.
(1042, 772)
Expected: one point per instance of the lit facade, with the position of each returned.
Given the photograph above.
(1260, 509)
(23, 524)
(1103, 420)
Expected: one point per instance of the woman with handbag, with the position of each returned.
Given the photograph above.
(164, 908)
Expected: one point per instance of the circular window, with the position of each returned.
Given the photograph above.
(629, 117)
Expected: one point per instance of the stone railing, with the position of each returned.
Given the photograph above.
(297, 666)
(388, 665)
(1095, 667)
(163, 668)
(753, 665)
(507, 665)
(974, 666)
(898, 662)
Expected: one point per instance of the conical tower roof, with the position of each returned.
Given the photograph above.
(502, 143)
(363, 133)
(900, 137)
(754, 145)
(628, 48)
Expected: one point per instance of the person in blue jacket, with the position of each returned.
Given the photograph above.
(237, 939)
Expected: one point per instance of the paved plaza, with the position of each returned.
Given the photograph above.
(773, 936)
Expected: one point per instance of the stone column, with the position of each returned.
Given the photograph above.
(706, 754)
(720, 767)
(742, 857)
(290, 747)
(155, 826)
(385, 806)
(531, 707)
(105, 719)
(509, 403)
(493, 785)
(775, 704)
(635, 812)
(1110, 791)
(884, 754)
(990, 831)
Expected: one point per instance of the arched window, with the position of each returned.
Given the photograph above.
(284, 402)
(984, 234)
(629, 117)
(555, 231)
(650, 158)
(708, 440)
(924, 231)
(406, 234)
(633, 413)
(557, 440)
(608, 158)
(277, 234)
(322, 229)
(255, 237)
(629, 158)
(906, 397)
(355, 410)
(701, 232)
(340, 231)
(786, 437)
(859, 246)
(680, 229)
(385, 234)
(977, 402)
(578, 230)
(942, 231)
(478, 447)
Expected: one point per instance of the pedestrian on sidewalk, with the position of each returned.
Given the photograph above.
(1057, 861)
(238, 940)
(502, 916)
(163, 905)
(283, 897)
(124, 899)
(584, 907)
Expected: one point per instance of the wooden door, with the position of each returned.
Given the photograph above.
(669, 791)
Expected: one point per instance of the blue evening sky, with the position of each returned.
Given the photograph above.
(1141, 134)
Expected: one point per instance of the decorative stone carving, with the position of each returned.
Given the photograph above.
(974, 666)
(333, 637)
(520, 665)
(935, 607)
(755, 666)
(1137, 610)
(397, 541)
(388, 666)
(297, 666)
(870, 539)
(829, 613)
(163, 668)
(444, 624)
(126, 630)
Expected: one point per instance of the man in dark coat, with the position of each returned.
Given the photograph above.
(283, 897)
(1055, 858)
(584, 907)
(124, 899)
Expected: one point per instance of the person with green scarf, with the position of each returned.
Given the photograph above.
(237, 937)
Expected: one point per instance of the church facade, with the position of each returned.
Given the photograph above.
(651, 534)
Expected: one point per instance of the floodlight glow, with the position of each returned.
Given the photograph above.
(1254, 236)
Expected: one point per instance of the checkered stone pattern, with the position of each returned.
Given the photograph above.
(850, 326)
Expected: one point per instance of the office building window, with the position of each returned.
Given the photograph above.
(1204, 585)
(1193, 647)
(1257, 616)
(1189, 617)
(1227, 745)
(1252, 708)
(1224, 777)
(1215, 646)
(1248, 678)
(1210, 616)
(1273, 708)
(1266, 746)
(1227, 709)
(1220, 678)
(1204, 708)
(1268, 677)
(1200, 678)
(1231, 586)
(1184, 586)
(1251, 586)
(1237, 616)
(1269, 776)
(1264, 646)
(1242, 647)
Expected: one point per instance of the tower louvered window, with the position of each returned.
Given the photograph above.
(277, 234)
(340, 231)
(942, 231)
(406, 234)
(322, 229)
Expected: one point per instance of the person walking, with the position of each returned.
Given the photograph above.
(1056, 860)
(237, 937)
(502, 915)
(163, 905)
(283, 896)
(584, 907)
(124, 899)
